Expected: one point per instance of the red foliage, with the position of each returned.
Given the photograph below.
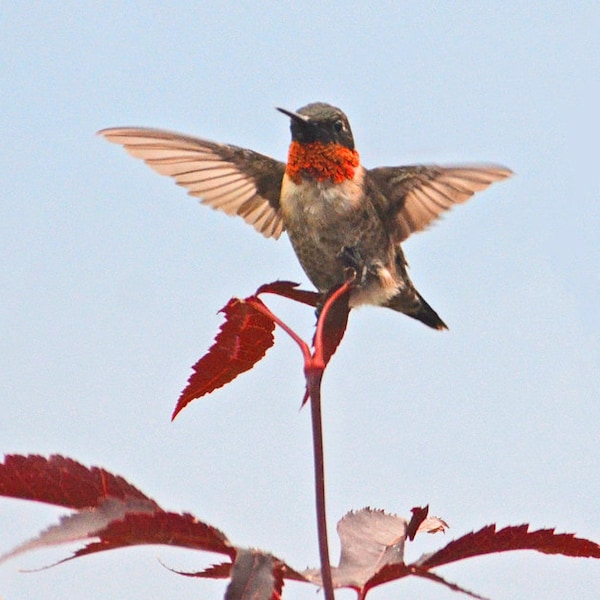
(223, 571)
(252, 577)
(419, 514)
(241, 342)
(111, 513)
(62, 482)
(109, 509)
(255, 575)
(218, 571)
(488, 540)
(335, 315)
(247, 334)
(288, 289)
(160, 527)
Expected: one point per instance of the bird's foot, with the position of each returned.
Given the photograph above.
(353, 261)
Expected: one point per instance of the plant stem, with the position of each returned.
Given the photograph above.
(314, 375)
(314, 385)
(314, 366)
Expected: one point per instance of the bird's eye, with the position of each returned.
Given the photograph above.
(338, 126)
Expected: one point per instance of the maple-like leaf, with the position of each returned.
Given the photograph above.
(241, 342)
(247, 334)
(370, 539)
(255, 575)
(419, 514)
(336, 317)
(252, 577)
(159, 527)
(334, 326)
(393, 572)
(218, 571)
(223, 571)
(289, 289)
(82, 525)
(110, 511)
(63, 482)
(487, 540)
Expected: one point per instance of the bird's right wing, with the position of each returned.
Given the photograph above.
(234, 180)
(414, 197)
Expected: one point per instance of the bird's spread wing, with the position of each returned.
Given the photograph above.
(234, 180)
(416, 196)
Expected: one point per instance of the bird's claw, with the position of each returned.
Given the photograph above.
(354, 264)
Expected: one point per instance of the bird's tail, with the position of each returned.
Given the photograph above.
(411, 303)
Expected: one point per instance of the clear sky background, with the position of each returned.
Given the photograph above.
(111, 277)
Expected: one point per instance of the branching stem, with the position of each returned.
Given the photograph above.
(314, 366)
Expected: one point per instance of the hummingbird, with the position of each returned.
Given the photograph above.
(337, 213)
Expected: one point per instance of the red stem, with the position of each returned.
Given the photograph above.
(314, 375)
(259, 306)
(314, 366)
(314, 387)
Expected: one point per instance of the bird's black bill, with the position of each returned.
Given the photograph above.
(303, 119)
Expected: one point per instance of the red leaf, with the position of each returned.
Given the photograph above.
(334, 327)
(62, 481)
(109, 509)
(83, 525)
(369, 539)
(288, 290)
(419, 514)
(241, 342)
(218, 571)
(223, 571)
(160, 527)
(489, 541)
(252, 577)
(394, 572)
(452, 586)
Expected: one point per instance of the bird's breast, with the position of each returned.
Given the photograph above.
(317, 204)
(322, 217)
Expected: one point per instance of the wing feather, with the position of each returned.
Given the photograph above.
(413, 197)
(234, 180)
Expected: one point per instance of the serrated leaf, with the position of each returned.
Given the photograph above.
(252, 577)
(450, 585)
(81, 525)
(288, 289)
(488, 541)
(241, 342)
(419, 514)
(161, 527)
(61, 481)
(223, 571)
(111, 511)
(334, 327)
(369, 540)
(391, 573)
(217, 571)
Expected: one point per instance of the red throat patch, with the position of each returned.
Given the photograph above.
(321, 161)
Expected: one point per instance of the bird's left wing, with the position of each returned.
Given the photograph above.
(235, 180)
(413, 197)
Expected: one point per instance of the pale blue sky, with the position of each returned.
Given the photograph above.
(111, 277)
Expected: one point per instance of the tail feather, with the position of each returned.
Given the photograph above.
(412, 304)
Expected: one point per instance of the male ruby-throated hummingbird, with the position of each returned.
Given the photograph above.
(337, 213)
